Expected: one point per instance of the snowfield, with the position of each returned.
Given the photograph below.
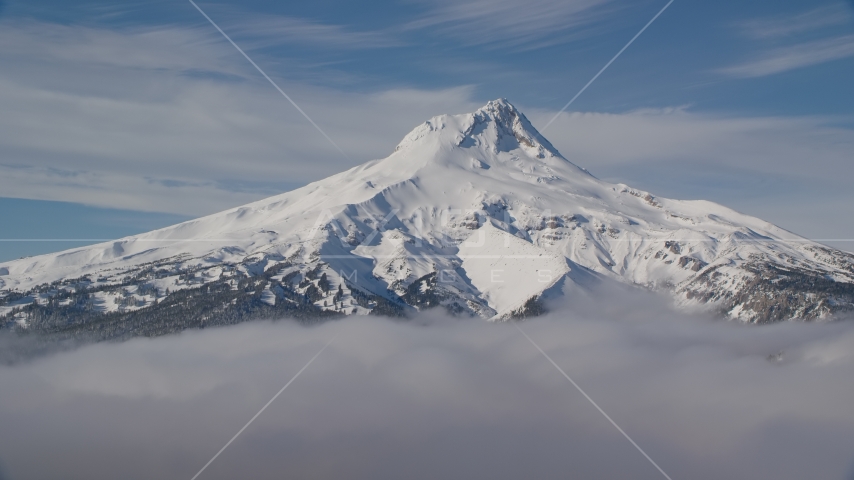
(476, 213)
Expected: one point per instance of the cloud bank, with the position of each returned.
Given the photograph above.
(435, 397)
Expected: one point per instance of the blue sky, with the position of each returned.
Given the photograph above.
(144, 109)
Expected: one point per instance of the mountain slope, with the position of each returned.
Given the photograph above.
(477, 213)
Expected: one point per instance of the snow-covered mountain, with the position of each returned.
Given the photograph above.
(477, 213)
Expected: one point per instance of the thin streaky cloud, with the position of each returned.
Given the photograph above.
(792, 57)
(269, 30)
(149, 48)
(514, 23)
(783, 26)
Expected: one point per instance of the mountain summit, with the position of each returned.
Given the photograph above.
(477, 214)
(498, 123)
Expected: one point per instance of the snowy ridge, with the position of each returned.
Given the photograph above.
(403, 233)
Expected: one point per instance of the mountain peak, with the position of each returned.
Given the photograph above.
(498, 126)
(500, 109)
(500, 106)
(504, 114)
(476, 213)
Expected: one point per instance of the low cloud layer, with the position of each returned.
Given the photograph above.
(435, 397)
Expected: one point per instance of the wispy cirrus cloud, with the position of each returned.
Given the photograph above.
(114, 117)
(271, 29)
(164, 48)
(783, 59)
(782, 26)
(789, 42)
(169, 119)
(512, 23)
(114, 188)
